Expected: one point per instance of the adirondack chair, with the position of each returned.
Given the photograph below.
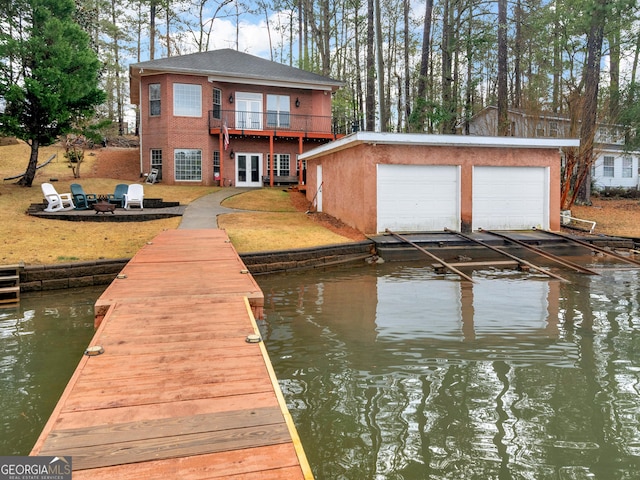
(82, 201)
(117, 196)
(56, 202)
(134, 196)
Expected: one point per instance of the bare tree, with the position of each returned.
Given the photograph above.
(503, 114)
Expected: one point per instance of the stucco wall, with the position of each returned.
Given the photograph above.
(349, 176)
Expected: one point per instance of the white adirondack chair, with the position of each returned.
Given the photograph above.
(134, 196)
(56, 202)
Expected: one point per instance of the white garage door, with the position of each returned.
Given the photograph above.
(418, 198)
(510, 198)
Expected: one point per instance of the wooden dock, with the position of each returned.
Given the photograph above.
(178, 392)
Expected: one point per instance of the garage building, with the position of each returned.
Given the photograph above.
(422, 183)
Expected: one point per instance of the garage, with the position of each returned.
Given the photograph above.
(418, 198)
(425, 183)
(510, 198)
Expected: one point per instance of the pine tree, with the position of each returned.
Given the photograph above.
(49, 79)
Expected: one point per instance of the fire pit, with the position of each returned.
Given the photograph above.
(103, 207)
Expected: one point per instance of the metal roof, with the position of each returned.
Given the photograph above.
(374, 138)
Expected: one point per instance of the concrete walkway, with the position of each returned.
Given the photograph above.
(203, 212)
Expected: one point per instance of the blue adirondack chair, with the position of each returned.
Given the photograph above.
(118, 194)
(81, 200)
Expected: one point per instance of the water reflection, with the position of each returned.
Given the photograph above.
(41, 342)
(395, 372)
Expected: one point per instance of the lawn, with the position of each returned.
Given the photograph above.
(42, 241)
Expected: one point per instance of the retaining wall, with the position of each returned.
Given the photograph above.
(34, 278)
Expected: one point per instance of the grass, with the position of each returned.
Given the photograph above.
(619, 216)
(40, 241)
(277, 225)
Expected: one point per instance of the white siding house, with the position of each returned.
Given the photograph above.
(613, 167)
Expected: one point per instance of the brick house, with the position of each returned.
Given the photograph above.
(220, 117)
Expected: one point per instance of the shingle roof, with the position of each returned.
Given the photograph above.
(233, 64)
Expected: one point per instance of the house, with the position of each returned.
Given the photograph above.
(419, 182)
(225, 117)
(613, 166)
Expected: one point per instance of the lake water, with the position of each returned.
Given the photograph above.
(41, 342)
(395, 372)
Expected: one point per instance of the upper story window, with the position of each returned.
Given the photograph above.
(553, 129)
(217, 103)
(278, 110)
(154, 99)
(249, 111)
(187, 100)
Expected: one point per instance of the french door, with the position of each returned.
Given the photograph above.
(248, 170)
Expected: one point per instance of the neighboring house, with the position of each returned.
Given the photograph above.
(418, 182)
(613, 167)
(221, 117)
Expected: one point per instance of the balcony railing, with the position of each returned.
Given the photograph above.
(278, 122)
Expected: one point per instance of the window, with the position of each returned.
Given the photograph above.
(216, 165)
(278, 110)
(156, 161)
(249, 111)
(627, 167)
(609, 169)
(553, 129)
(217, 103)
(539, 130)
(154, 99)
(187, 100)
(281, 167)
(188, 164)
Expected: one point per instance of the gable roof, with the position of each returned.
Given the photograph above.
(228, 65)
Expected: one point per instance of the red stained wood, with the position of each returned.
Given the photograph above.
(178, 392)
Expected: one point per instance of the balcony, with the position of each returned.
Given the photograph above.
(268, 124)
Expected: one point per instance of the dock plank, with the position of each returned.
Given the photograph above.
(154, 448)
(177, 389)
(250, 463)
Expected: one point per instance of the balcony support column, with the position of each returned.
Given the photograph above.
(300, 152)
(222, 158)
(271, 160)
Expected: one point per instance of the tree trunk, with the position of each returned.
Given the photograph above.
(557, 65)
(503, 114)
(27, 179)
(116, 59)
(419, 114)
(370, 100)
(448, 100)
(614, 67)
(152, 30)
(517, 57)
(380, 68)
(581, 189)
(407, 79)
